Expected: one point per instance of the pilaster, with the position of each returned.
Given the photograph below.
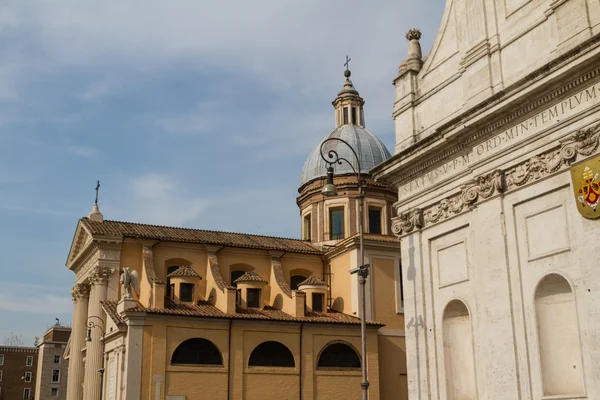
(80, 293)
(419, 381)
(93, 358)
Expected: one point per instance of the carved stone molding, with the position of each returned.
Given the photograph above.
(483, 187)
(405, 223)
(416, 169)
(80, 291)
(583, 143)
(100, 275)
(413, 34)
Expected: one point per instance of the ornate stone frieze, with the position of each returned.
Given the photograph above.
(407, 222)
(80, 291)
(110, 251)
(100, 275)
(582, 143)
(482, 187)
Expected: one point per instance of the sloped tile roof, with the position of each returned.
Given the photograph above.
(250, 276)
(312, 280)
(184, 271)
(204, 309)
(110, 307)
(187, 235)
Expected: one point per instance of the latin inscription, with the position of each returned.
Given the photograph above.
(431, 177)
(539, 122)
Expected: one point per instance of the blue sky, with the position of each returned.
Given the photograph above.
(190, 113)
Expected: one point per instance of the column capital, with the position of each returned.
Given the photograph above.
(80, 291)
(100, 275)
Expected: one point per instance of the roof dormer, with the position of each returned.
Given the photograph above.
(250, 288)
(316, 294)
(184, 285)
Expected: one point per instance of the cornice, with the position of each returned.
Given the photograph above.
(582, 143)
(471, 135)
(468, 135)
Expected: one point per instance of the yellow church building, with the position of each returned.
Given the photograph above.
(165, 313)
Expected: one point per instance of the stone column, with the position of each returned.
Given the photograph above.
(80, 293)
(93, 355)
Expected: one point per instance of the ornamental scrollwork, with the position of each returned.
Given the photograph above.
(483, 187)
(584, 142)
(406, 222)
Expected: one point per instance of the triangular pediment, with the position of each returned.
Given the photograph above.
(80, 241)
(446, 42)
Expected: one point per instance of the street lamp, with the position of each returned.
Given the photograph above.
(91, 325)
(329, 190)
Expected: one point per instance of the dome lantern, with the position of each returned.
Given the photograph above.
(348, 104)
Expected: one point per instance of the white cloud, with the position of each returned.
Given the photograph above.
(77, 150)
(81, 150)
(161, 199)
(96, 91)
(187, 123)
(38, 211)
(40, 299)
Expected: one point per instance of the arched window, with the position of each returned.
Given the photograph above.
(458, 352)
(237, 270)
(558, 337)
(271, 354)
(295, 280)
(338, 355)
(236, 274)
(197, 351)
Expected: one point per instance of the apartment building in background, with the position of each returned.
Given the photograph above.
(51, 377)
(18, 366)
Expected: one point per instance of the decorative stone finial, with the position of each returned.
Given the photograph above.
(413, 34)
(414, 62)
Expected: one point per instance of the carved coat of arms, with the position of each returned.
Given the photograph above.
(586, 187)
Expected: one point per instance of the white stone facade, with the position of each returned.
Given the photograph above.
(501, 278)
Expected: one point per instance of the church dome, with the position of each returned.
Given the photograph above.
(371, 152)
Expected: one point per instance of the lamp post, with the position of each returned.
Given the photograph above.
(92, 325)
(331, 157)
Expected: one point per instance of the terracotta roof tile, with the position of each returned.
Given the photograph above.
(187, 235)
(250, 276)
(110, 307)
(184, 271)
(312, 280)
(204, 309)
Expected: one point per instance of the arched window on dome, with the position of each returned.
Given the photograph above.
(338, 355)
(271, 354)
(197, 351)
